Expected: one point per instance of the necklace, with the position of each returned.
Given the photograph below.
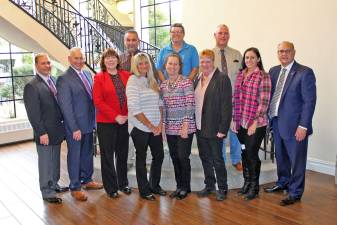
(172, 84)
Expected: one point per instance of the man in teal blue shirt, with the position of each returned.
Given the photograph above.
(187, 52)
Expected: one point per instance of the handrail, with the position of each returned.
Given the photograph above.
(97, 11)
(103, 19)
(69, 26)
(117, 37)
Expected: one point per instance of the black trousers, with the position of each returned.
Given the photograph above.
(142, 140)
(210, 152)
(114, 145)
(251, 152)
(180, 151)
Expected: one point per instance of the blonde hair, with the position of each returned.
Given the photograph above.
(143, 57)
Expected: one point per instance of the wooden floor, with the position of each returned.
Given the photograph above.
(21, 203)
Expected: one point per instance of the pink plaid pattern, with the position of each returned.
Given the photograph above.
(251, 99)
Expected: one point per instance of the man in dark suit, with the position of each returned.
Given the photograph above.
(46, 119)
(213, 103)
(75, 99)
(291, 110)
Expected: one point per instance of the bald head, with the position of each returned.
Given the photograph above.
(76, 58)
(288, 44)
(221, 36)
(286, 53)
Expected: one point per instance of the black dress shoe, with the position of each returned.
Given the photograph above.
(53, 200)
(160, 192)
(221, 195)
(289, 200)
(61, 189)
(274, 188)
(126, 190)
(149, 197)
(205, 192)
(181, 195)
(175, 193)
(113, 195)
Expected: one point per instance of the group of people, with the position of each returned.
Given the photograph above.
(210, 94)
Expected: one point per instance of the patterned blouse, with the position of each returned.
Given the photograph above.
(179, 106)
(120, 89)
(251, 99)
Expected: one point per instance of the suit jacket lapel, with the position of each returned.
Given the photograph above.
(196, 81)
(74, 73)
(211, 84)
(289, 79)
(46, 86)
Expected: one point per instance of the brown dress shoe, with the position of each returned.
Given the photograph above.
(238, 166)
(79, 195)
(92, 185)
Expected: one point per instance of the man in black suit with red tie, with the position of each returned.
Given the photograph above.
(46, 119)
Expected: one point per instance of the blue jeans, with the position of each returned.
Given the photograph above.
(235, 148)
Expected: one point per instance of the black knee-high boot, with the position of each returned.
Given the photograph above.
(253, 190)
(245, 174)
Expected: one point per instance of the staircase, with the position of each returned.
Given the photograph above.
(92, 33)
(105, 21)
(68, 26)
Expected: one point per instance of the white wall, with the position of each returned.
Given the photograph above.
(309, 24)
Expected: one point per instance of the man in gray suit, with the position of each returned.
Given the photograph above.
(46, 119)
(228, 61)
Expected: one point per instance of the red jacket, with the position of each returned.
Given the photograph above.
(105, 97)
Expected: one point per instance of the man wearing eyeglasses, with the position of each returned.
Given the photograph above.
(187, 52)
(291, 110)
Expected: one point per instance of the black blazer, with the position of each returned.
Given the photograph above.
(43, 111)
(217, 106)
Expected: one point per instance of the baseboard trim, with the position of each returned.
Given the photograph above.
(321, 166)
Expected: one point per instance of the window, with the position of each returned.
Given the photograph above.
(16, 70)
(156, 18)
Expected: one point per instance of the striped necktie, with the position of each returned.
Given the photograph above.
(277, 94)
(86, 83)
(52, 86)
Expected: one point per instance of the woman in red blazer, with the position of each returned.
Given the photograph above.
(112, 125)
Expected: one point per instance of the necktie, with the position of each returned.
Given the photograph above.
(277, 94)
(223, 62)
(51, 86)
(86, 83)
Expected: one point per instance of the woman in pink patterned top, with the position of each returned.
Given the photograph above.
(250, 105)
(178, 118)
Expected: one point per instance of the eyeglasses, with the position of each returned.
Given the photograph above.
(285, 51)
(176, 32)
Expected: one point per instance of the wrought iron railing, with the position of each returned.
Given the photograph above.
(117, 37)
(103, 20)
(69, 26)
(92, 34)
(96, 10)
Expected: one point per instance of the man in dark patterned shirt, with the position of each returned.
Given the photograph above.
(131, 43)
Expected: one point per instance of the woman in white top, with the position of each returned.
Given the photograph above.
(145, 118)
